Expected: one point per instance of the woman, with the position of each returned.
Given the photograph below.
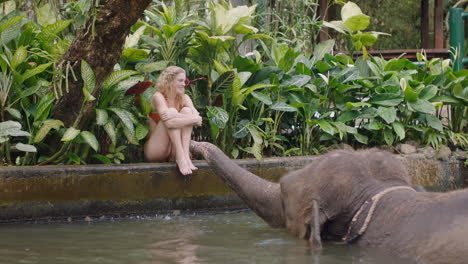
(169, 137)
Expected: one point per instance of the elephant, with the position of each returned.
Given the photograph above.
(360, 197)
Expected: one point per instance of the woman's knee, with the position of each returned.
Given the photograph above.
(186, 111)
(172, 110)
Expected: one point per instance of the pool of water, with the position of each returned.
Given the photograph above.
(239, 237)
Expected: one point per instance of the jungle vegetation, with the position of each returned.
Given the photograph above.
(75, 83)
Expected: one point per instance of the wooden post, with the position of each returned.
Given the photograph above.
(438, 24)
(424, 24)
(323, 4)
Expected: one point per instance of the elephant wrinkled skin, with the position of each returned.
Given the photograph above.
(321, 201)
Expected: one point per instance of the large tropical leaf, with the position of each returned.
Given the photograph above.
(89, 81)
(70, 134)
(19, 57)
(47, 125)
(33, 72)
(224, 81)
(218, 116)
(116, 77)
(283, 107)
(90, 139)
(387, 113)
(126, 119)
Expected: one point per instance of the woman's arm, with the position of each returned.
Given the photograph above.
(170, 117)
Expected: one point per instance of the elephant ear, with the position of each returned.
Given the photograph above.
(311, 228)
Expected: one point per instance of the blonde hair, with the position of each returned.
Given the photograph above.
(165, 85)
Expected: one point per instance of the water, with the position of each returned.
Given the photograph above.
(240, 237)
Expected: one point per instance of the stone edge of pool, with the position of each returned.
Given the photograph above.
(56, 192)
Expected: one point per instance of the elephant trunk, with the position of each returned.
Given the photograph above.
(262, 196)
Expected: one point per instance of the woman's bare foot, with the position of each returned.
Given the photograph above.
(184, 166)
(192, 167)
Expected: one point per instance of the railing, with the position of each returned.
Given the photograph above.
(457, 38)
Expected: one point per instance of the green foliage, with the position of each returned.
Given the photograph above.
(351, 25)
(276, 100)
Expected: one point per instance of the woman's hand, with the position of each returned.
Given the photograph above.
(167, 115)
(198, 121)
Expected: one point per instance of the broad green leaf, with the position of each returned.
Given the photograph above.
(348, 116)
(255, 133)
(361, 138)
(33, 72)
(132, 39)
(87, 74)
(365, 38)
(10, 23)
(43, 108)
(338, 26)
(47, 125)
(141, 131)
(224, 81)
(321, 49)
(11, 128)
(74, 158)
(297, 80)
(102, 158)
(241, 130)
(344, 128)
(134, 55)
(19, 57)
(446, 99)
(10, 29)
(434, 122)
(116, 77)
(70, 134)
(130, 136)
(25, 147)
(50, 32)
(428, 92)
(218, 116)
(245, 64)
(45, 15)
(410, 95)
(351, 105)
(373, 125)
(327, 127)
(357, 23)
(235, 153)
(349, 10)
(421, 106)
(90, 139)
(126, 119)
(386, 99)
(283, 107)
(14, 112)
(264, 98)
(387, 113)
(149, 67)
(399, 129)
(101, 117)
(389, 137)
(109, 127)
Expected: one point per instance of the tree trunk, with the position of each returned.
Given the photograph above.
(100, 45)
(262, 196)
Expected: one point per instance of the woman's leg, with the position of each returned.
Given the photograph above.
(186, 134)
(175, 134)
(157, 148)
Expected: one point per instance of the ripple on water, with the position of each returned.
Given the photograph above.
(221, 238)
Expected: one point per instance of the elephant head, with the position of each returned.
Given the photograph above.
(318, 200)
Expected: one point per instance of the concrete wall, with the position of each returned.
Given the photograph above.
(32, 193)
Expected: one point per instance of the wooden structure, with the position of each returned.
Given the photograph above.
(438, 51)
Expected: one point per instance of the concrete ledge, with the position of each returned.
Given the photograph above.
(28, 193)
